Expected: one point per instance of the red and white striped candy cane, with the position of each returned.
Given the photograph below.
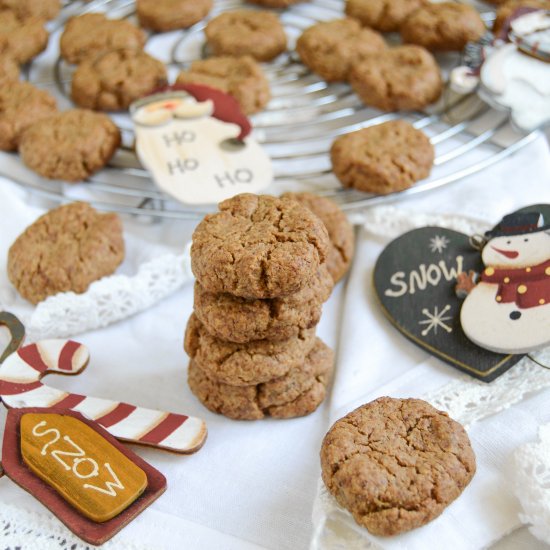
(20, 386)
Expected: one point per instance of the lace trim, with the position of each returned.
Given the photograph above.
(31, 530)
(531, 482)
(467, 401)
(110, 299)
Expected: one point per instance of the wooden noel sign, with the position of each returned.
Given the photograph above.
(196, 144)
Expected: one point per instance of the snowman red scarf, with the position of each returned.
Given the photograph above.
(527, 287)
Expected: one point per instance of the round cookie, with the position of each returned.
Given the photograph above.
(92, 34)
(382, 15)
(239, 320)
(245, 364)
(21, 105)
(396, 464)
(506, 9)
(98, 84)
(69, 146)
(445, 26)
(240, 77)
(246, 32)
(382, 159)
(397, 79)
(275, 3)
(44, 9)
(297, 393)
(9, 70)
(168, 15)
(329, 48)
(21, 38)
(340, 231)
(258, 246)
(66, 249)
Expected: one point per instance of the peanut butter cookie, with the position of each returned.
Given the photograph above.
(340, 231)
(246, 32)
(397, 79)
(21, 38)
(445, 26)
(9, 70)
(245, 364)
(240, 77)
(382, 159)
(297, 393)
(382, 15)
(69, 146)
(396, 464)
(25, 9)
(66, 249)
(258, 246)
(91, 34)
(168, 15)
(113, 80)
(21, 105)
(329, 48)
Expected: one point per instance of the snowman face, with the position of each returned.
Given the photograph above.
(517, 250)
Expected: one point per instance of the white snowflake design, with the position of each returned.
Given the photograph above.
(435, 320)
(438, 243)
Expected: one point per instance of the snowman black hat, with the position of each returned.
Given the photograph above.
(518, 224)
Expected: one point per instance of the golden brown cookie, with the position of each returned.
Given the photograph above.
(245, 364)
(21, 38)
(240, 320)
(396, 464)
(340, 231)
(9, 70)
(241, 77)
(258, 246)
(397, 79)
(445, 26)
(168, 15)
(329, 48)
(297, 393)
(246, 32)
(66, 249)
(506, 9)
(43, 9)
(382, 159)
(92, 34)
(69, 146)
(21, 105)
(113, 80)
(382, 15)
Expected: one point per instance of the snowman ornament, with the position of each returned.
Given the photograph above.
(196, 144)
(508, 311)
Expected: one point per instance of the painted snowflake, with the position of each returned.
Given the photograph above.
(438, 243)
(435, 320)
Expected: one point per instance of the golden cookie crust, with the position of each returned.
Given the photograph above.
(396, 464)
(330, 48)
(66, 249)
(446, 26)
(382, 159)
(258, 246)
(25, 9)
(241, 77)
(169, 15)
(246, 32)
(97, 83)
(397, 79)
(382, 15)
(21, 38)
(69, 146)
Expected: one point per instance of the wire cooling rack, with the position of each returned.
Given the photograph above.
(296, 129)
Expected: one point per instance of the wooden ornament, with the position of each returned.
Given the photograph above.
(57, 449)
(415, 278)
(82, 466)
(21, 386)
(16, 330)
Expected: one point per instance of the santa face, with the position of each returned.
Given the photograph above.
(517, 251)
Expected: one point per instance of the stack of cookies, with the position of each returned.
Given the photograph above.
(262, 277)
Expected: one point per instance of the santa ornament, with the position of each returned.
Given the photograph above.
(508, 311)
(196, 143)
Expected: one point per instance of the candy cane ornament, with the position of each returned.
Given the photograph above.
(21, 386)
